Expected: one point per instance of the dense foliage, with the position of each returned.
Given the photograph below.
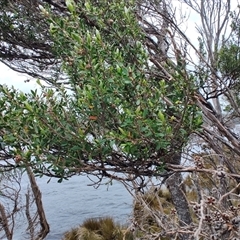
(111, 116)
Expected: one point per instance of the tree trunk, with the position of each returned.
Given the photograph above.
(179, 199)
(38, 200)
(5, 223)
(174, 184)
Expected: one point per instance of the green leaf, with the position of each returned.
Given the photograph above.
(28, 107)
(71, 5)
(161, 116)
(76, 37)
(122, 131)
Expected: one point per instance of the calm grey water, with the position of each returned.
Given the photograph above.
(68, 203)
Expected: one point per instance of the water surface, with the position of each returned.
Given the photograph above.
(69, 203)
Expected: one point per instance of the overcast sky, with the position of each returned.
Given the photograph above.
(12, 78)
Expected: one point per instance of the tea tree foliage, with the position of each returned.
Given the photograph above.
(112, 116)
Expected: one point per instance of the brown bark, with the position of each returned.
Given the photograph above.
(4, 223)
(38, 200)
(29, 218)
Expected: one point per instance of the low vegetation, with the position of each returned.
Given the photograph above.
(99, 229)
